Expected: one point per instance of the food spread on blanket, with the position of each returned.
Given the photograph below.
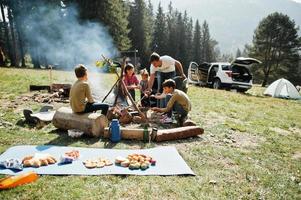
(69, 157)
(132, 161)
(38, 160)
(97, 163)
(135, 161)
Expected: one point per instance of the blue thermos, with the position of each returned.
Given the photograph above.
(115, 131)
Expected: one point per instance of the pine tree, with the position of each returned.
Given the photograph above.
(140, 25)
(206, 54)
(172, 37)
(160, 36)
(189, 37)
(116, 17)
(238, 53)
(196, 45)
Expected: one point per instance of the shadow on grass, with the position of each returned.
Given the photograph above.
(64, 140)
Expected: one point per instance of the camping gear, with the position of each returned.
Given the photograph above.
(145, 134)
(21, 179)
(282, 88)
(44, 115)
(115, 131)
(91, 124)
(169, 161)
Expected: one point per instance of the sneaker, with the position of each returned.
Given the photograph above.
(166, 120)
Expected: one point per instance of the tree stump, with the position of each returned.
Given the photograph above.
(92, 124)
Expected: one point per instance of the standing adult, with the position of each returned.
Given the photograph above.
(166, 67)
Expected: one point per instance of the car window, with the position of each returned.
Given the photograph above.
(226, 67)
(194, 66)
(215, 68)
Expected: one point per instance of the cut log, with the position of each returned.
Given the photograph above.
(92, 124)
(162, 135)
(128, 133)
(178, 133)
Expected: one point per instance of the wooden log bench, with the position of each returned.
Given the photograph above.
(92, 124)
(162, 134)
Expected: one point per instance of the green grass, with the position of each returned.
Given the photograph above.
(246, 152)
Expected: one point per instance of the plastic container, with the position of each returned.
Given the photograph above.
(115, 131)
(14, 181)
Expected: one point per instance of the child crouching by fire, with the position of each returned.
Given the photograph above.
(176, 100)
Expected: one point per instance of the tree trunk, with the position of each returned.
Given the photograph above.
(265, 80)
(8, 46)
(14, 60)
(20, 35)
(2, 58)
(36, 58)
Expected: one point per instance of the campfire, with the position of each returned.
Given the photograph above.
(56, 93)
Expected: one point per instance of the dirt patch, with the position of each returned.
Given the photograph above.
(212, 119)
(297, 156)
(280, 131)
(295, 130)
(245, 140)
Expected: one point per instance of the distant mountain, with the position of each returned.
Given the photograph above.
(232, 22)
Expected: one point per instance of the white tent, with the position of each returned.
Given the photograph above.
(282, 88)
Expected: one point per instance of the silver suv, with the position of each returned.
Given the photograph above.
(235, 75)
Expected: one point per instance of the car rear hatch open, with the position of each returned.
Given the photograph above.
(240, 69)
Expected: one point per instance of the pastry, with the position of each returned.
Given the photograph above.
(99, 163)
(38, 160)
(125, 163)
(108, 163)
(90, 165)
(119, 160)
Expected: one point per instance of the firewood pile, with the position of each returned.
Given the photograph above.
(125, 115)
(58, 93)
(45, 98)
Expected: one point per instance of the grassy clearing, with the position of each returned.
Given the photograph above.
(250, 150)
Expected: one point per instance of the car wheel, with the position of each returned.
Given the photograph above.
(242, 90)
(217, 84)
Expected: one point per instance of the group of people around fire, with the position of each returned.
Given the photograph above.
(169, 99)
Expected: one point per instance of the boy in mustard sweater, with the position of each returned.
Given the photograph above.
(176, 100)
(81, 100)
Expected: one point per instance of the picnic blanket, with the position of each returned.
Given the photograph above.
(169, 161)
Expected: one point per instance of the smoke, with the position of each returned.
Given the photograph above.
(60, 38)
